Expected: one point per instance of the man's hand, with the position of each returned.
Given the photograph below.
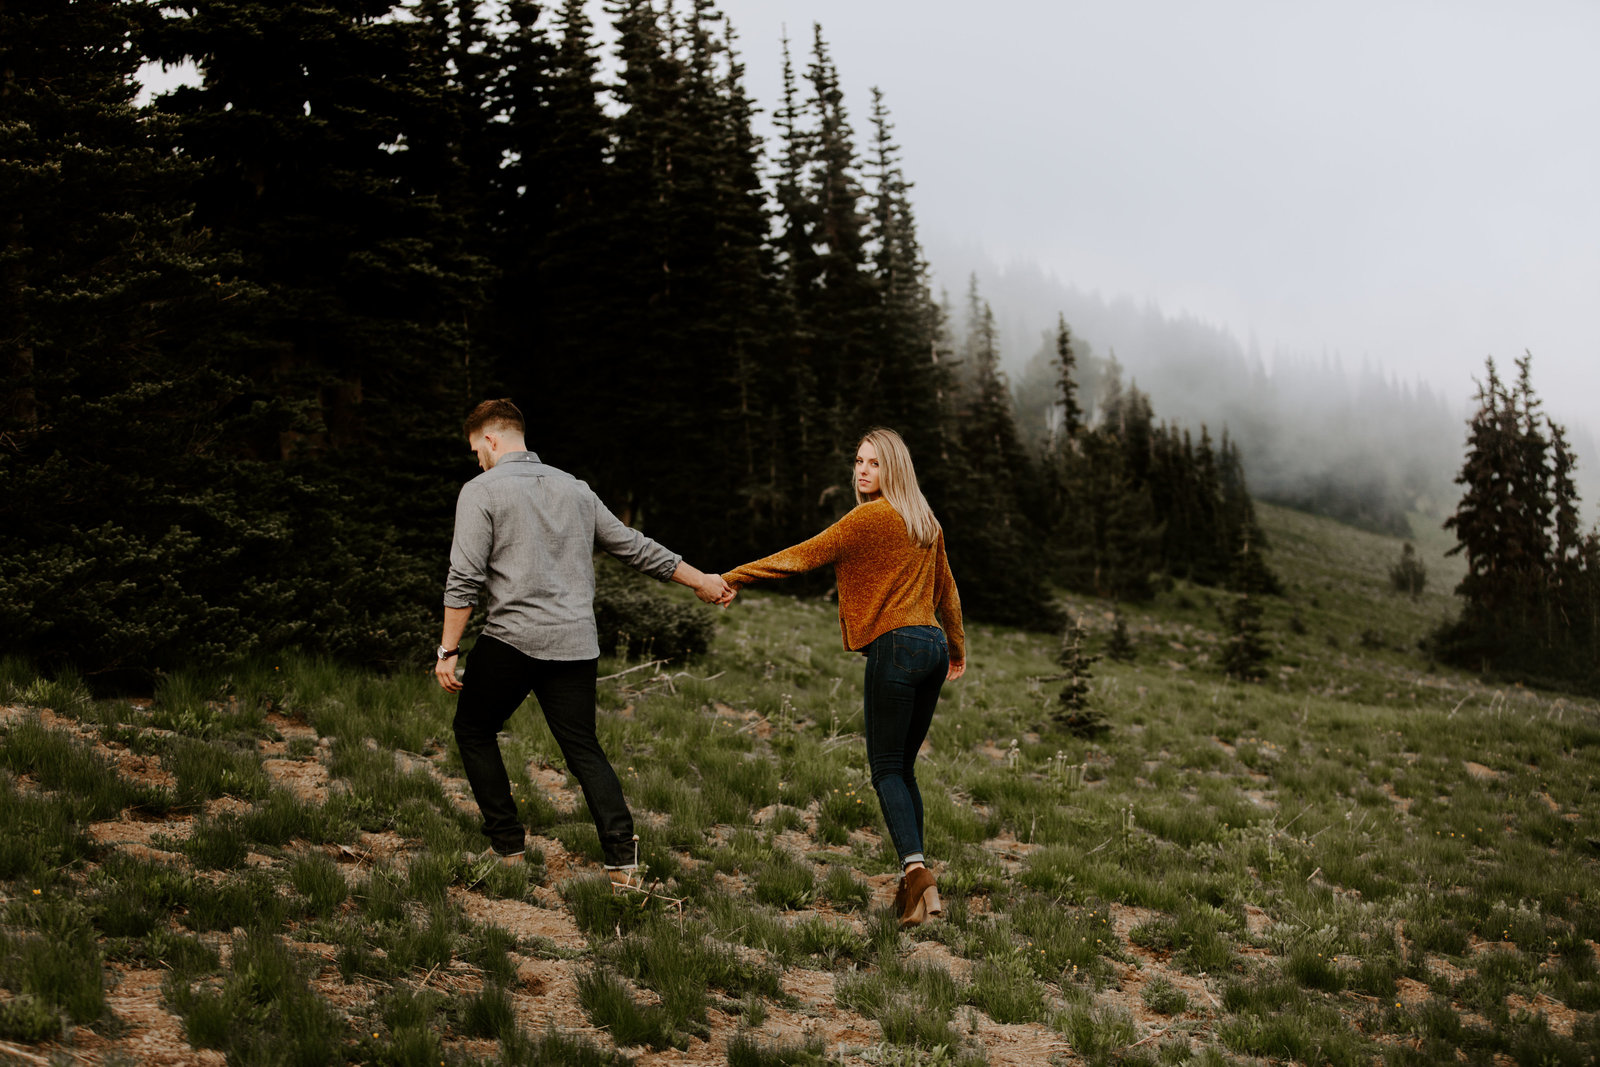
(455, 624)
(445, 672)
(708, 587)
(958, 667)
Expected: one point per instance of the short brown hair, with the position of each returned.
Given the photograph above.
(501, 411)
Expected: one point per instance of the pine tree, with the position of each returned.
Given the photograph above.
(993, 545)
(1567, 558)
(1072, 704)
(1244, 651)
(909, 382)
(1480, 522)
(354, 354)
(843, 297)
(1120, 645)
(120, 535)
(1530, 586)
(1071, 423)
(1409, 576)
(357, 246)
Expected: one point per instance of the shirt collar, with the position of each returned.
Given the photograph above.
(518, 457)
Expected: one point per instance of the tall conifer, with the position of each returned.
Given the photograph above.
(122, 539)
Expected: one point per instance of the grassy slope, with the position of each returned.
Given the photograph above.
(1360, 856)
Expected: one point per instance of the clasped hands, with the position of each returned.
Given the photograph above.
(712, 589)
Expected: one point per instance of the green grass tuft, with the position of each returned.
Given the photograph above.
(319, 879)
(746, 1049)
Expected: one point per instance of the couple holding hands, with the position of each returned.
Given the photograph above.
(525, 533)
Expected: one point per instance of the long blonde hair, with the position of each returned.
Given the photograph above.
(897, 483)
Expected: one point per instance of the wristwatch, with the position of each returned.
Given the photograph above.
(446, 653)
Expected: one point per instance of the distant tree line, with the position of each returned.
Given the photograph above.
(1532, 588)
(239, 326)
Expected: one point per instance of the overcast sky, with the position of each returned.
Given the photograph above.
(1413, 183)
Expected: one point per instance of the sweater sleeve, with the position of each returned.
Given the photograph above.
(947, 605)
(808, 555)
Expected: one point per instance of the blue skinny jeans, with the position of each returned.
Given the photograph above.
(906, 668)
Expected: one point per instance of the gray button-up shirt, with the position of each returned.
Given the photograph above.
(526, 534)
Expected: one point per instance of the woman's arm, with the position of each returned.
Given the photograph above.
(947, 605)
(808, 555)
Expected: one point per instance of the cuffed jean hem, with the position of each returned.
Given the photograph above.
(915, 857)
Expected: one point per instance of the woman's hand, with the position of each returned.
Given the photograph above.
(958, 667)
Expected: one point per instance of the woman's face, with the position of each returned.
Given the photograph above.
(867, 469)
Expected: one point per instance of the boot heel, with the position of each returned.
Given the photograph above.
(930, 901)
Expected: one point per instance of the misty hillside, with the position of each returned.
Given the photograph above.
(1351, 442)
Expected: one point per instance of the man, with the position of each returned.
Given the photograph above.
(525, 535)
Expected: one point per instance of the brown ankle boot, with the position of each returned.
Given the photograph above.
(899, 904)
(921, 897)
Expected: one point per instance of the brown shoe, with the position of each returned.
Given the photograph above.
(625, 879)
(921, 897)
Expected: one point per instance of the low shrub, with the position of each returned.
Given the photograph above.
(637, 618)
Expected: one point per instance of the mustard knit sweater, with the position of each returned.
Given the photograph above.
(886, 580)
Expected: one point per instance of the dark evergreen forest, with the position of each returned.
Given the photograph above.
(1532, 590)
(241, 325)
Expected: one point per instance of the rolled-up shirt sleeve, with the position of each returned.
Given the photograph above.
(631, 546)
(469, 551)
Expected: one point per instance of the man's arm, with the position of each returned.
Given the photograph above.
(469, 562)
(708, 587)
(455, 624)
(650, 557)
(630, 546)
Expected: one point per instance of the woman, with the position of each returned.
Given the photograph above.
(893, 579)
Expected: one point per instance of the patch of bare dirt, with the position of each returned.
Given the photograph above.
(228, 806)
(553, 784)
(290, 728)
(132, 833)
(1445, 969)
(939, 954)
(547, 991)
(155, 1035)
(1018, 1044)
(1558, 1015)
(522, 919)
(1009, 851)
(1409, 991)
(1403, 803)
(305, 780)
(146, 769)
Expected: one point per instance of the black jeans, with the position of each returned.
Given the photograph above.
(906, 668)
(499, 679)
